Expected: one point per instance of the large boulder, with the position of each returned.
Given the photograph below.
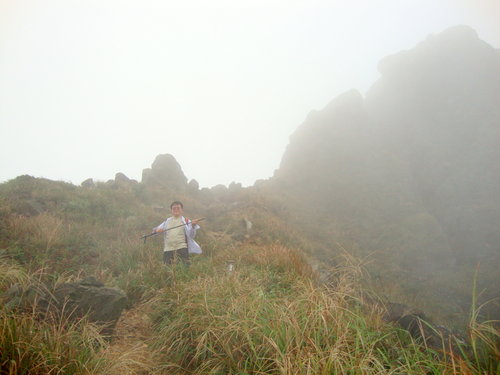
(88, 297)
(103, 305)
(165, 172)
(121, 180)
(423, 329)
(88, 183)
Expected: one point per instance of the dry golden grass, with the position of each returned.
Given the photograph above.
(130, 351)
(268, 316)
(258, 320)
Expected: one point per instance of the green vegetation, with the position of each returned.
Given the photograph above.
(270, 315)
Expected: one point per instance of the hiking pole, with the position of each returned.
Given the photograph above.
(177, 226)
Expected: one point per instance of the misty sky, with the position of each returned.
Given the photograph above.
(91, 88)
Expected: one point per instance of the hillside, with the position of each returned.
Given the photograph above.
(386, 200)
(409, 175)
(271, 314)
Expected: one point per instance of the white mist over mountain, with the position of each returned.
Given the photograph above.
(88, 89)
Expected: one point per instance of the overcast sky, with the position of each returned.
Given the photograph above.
(91, 88)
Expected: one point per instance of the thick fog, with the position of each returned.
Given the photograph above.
(91, 88)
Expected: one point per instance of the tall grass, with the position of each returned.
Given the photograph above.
(47, 241)
(11, 273)
(259, 319)
(269, 315)
(32, 346)
(31, 343)
(484, 338)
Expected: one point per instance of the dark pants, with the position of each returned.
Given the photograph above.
(171, 257)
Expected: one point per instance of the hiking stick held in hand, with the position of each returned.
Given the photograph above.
(177, 226)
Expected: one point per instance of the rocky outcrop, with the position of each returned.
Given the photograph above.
(436, 107)
(122, 181)
(165, 172)
(193, 186)
(88, 183)
(235, 186)
(410, 172)
(423, 330)
(88, 297)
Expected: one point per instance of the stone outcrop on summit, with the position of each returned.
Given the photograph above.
(165, 172)
(437, 107)
(411, 172)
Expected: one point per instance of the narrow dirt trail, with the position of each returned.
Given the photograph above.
(129, 348)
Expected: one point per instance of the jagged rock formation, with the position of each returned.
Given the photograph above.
(411, 172)
(193, 186)
(165, 172)
(122, 180)
(88, 183)
(437, 107)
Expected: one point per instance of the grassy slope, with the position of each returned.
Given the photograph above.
(269, 316)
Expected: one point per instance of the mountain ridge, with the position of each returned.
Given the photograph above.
(370, 170)
(411, 170)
